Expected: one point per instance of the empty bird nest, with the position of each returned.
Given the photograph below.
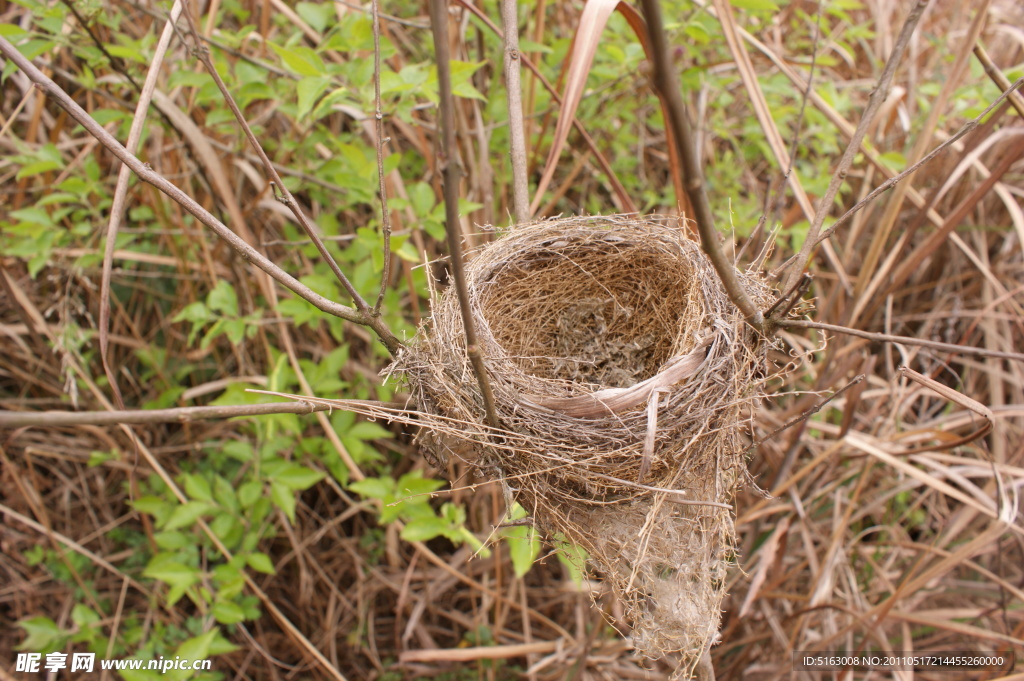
(622, 376)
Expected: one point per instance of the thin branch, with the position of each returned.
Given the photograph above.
(385, 217)
(896, 179)
(1001, 81)
(148, 175)
(203, 54)
(878, 95)
(807, 414)
(666, 83)
(905, 340)
(22, 419)
(520, 187)
(449, 154)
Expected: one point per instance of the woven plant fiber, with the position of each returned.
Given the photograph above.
(622, 376)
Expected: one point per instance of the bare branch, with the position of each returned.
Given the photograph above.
(896, 179)
(666, 83)
(449, 151)
(905, 340)
(1001, 81)
(203, 54)
(806, 414)
(520, 187)
(148, 175)
(878, 95)
(385, 217)
(21, 419)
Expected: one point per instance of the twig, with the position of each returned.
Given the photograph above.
(807, 414)
(896, 179)
(203, 54)
(385, 217)
(906, 340)
(1001, 81)
(517, 140)
(878, 95)
(148, 175)
(667, 86)
(21, 419)
(449, 152)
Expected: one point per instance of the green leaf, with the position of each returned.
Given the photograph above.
(12, 31)
(284, 498)
(249, 492)
(239, 450)
(227, 612)
(83, 616)
(173, 541)
(523, 548)
(755, 5)
(223, 299)
(374, 488)
(196, 312)
(43, 635)
(224, 494)
(260, 562)
(187, 514)
(316, 15)
(309, 90)
(301, 60)
(37, 168)
(573, 557)
(416, 486)
(367, 430)
(424, 529)
(199, 648)
(894, 160)
(198, 488)
(165, 567)
(462, 72)
(297, 477)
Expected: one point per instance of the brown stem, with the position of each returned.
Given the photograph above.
(449, 151)
(385, 219)
(203, 54)
(1001, 81)
(21, 419)
(665, 82)
(906, 340)
(520, 187)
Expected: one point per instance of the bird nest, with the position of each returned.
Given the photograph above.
(621, 375)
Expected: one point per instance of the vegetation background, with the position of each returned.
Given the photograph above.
(290, 546)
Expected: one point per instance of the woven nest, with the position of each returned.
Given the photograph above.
(621, 374)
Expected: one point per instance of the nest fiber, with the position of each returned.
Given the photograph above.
(621, 374)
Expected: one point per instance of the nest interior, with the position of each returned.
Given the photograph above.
(621, 373)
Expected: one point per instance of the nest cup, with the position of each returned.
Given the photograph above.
(621, 374)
